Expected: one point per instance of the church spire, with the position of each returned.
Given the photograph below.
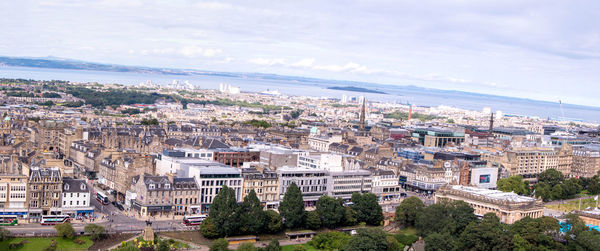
(361, 126)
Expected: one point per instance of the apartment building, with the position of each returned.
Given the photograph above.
(345, 183)
(321, 143)
(313, 183)
(154, 195)
(586, 161)
(527, 162)
(76, 197)
(13, 194)
(212, 179)
(45, 191)
(186, 194)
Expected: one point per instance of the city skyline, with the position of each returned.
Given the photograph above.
(528, 50)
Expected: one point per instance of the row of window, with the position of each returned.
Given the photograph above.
(221, 182)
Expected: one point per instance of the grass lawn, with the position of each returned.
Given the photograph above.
(573, 205)
(41, 243)
(291, 247)
(407, 231)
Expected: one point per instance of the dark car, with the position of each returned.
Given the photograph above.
(403, 194)
(120, 207)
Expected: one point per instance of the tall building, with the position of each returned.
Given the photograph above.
(586, 161)
(13, 194)
(45, 191)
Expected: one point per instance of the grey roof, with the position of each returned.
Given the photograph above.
(74, 186)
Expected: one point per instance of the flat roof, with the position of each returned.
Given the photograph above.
(494, 194)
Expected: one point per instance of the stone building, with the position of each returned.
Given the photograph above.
(13, 194)
(265, 184)
(586, 161)
(45, 191)
(509, 207)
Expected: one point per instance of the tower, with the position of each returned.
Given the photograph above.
(491, 123)
(361, 126)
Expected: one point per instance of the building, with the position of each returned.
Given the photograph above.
(265, 185)
(313, 183)
(385, 184)
(236, 157)
(13, 194)
(437, 137)
(76, 198)
(45, 191)
(484, 177)
(321, 142)
(273, 157)
(586, 161)
(527, 162)
(212, 179)
(326, 161)
(185, 196)
(345, 183)
(509, 207)
(154, 195)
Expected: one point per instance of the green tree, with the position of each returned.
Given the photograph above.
(313, 221)
(440, 242)
(543, 191)
(273, 246)
(406, 212)
(538, 232)
(520, 244)
(350, 217)
(252, 215)
(571, 188)
(4, 234)
(65, 230)
(208, 229)
(95, 231)
(292, 207)
(273, 222)
(247, 247)
(224, 212)
(220, 244)
(488, 234)
(513, 184)
(333, 240)
(331, 211)
(557, 192)
(367, 208)
(393, 244)
(551, 176)
(368, 239)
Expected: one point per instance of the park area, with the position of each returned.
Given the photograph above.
(41, 243)
(571, 205)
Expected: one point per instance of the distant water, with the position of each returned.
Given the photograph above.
(396, 94)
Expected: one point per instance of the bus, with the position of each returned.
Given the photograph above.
(54, 219)
(102, 198)
(8, 220)
(193, 220)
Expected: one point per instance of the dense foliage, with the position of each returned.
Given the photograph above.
(406, 212)
(291, 207)
(258, 123)
(65, 230)
(400, 115)
(367, 208)
(113, 97)
(552, 185)
(95, 231)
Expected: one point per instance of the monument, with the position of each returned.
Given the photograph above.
(148, 232)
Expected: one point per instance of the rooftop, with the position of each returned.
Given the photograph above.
(494, 194)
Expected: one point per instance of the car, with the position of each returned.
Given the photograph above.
(120, 207)
(403, 194)
(115, 203)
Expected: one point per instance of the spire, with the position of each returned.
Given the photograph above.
(491, 123)
(361, 126)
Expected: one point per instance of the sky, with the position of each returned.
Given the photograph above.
(546, 50)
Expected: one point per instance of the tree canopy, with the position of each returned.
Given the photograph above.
(291, 207)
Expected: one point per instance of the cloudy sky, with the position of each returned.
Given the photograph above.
(547, 50)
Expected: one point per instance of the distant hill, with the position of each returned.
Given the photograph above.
(355, 89)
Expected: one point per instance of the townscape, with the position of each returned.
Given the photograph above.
(229, 163)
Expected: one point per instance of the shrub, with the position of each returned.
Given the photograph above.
(79, 241)
(65, 230)
(52, 246)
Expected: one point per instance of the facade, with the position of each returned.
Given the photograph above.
(265, 185)
(76, 197)
(509, 207)
(437, 137)
(13, 194)
(345, 183)
(45, 191)
(313, 183)
(385, 184)
(321, 142)
(586, 161)
(484, 177)
(236, 157)
(212, 179)
(185, 196)
(327, 161)
(527, 162)
(154, 195)
(275, 157)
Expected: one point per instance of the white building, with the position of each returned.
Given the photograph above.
(385, 184)
(75, 197)
(326, 161)
(321, 142)
(313, 183)
(212, 179)
(13, 194)
(484, 177)
(178, 161)
(345, 183)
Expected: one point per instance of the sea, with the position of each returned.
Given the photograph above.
(303, 87)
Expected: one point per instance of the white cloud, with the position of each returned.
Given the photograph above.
(304, 63)
(194, 51)
(213, 5)
(268, 61)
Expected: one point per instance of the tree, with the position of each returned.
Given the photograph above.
(367, 208)
(94, 230)
(520, 244)
(333, 240)
(571, 188)
(350, 217)
(331, 211)
(440, 242)
(207, 229)
(536, 232)
(393, 244)
(4, 234)
(65, 230)
(252, 216)
(488, 234)
(273, 246)
(557, 192)
(513, 184)
(247, 247)
(406, 212)
(224, 212)
(551, 177)
(273, 222)
(313, 221)
(368, 239)
(219, 245)
(543, 191)
(292, 207)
